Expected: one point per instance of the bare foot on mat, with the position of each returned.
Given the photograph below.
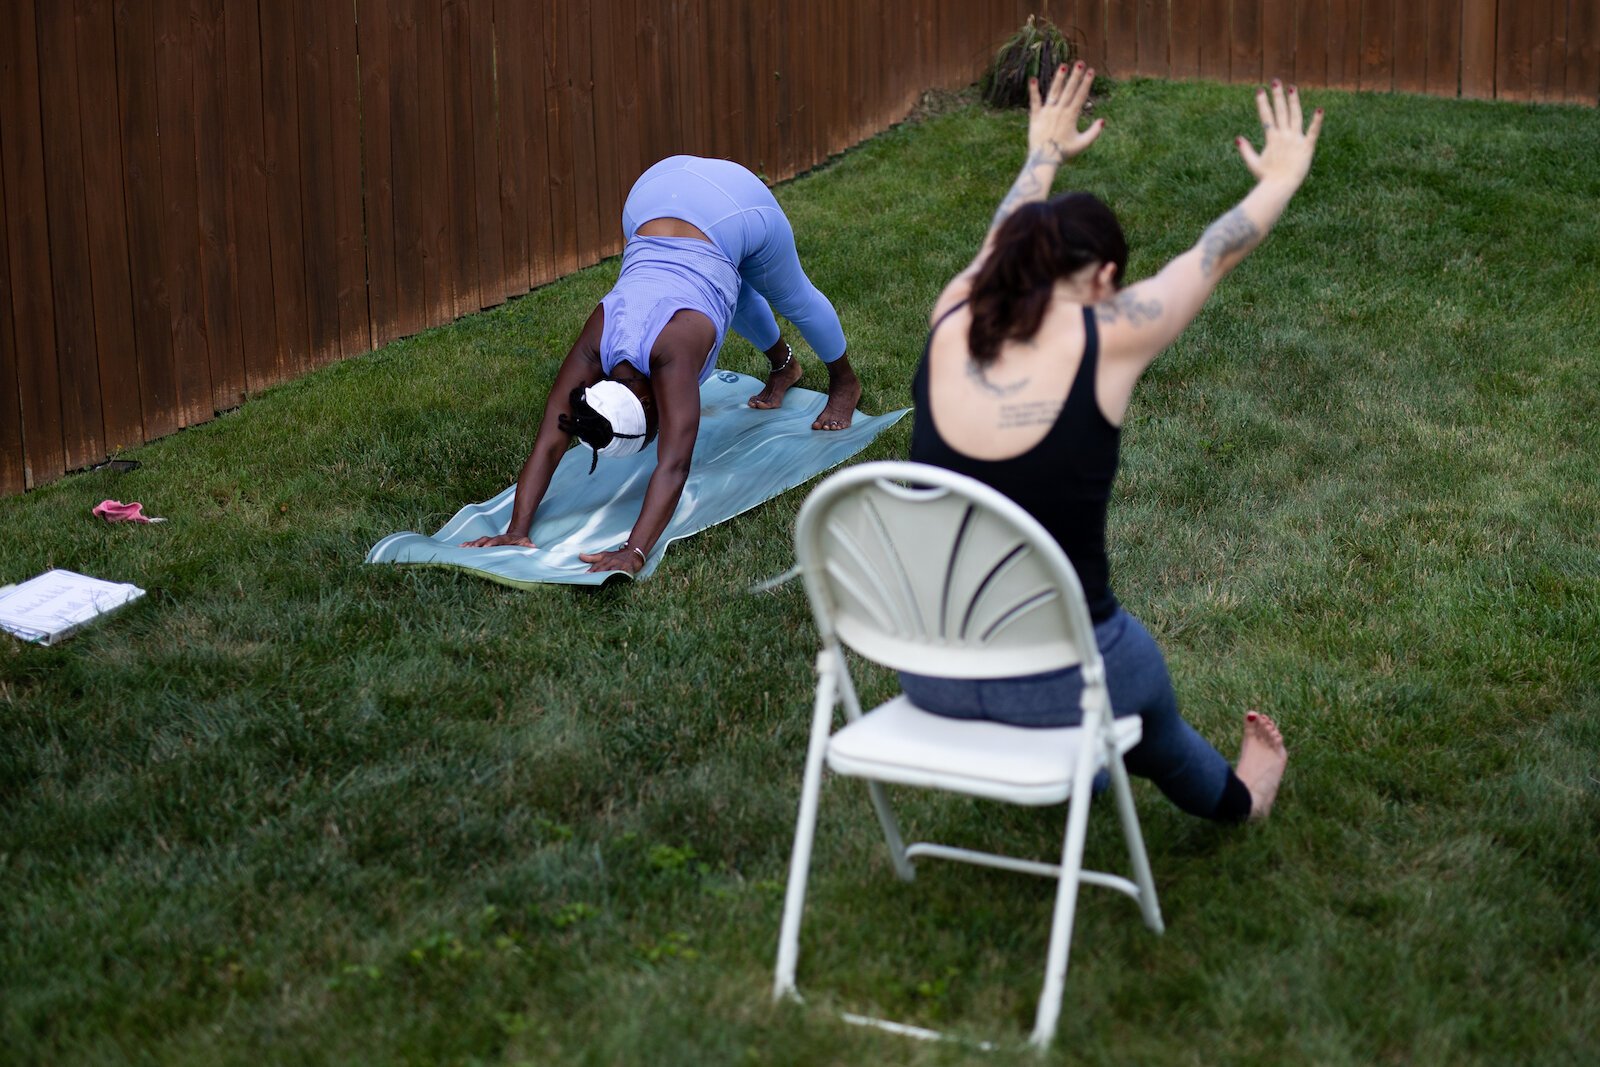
(1262, 758)
(844, 389)
(785, 372)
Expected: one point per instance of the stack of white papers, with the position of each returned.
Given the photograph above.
(47, 608)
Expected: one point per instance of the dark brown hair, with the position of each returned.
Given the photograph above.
(1039, 244)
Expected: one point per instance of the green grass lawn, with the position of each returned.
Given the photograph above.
(290, 808)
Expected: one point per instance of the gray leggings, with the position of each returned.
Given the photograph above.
(1182, 764)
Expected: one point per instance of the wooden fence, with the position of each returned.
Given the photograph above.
(201, 198)
(1547, 50)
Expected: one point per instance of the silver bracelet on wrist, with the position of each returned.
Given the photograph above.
(636, 548)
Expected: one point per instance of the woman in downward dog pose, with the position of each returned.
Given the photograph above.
(1032, 357)
(707, 247)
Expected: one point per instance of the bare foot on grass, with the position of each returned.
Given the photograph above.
(1262, 758)
(844, 389)
(785, 372)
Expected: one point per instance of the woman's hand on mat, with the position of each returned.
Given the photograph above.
(516, 540)
(619, 559)
(1286, 157)
(1053, 133)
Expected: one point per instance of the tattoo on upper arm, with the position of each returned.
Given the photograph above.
(1126, 307)
(1029, 413)
(975, 372)
(1233, 232)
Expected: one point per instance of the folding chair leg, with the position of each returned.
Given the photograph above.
(1149, 906)
(794, 900)
(891, 831)
(1055, 973)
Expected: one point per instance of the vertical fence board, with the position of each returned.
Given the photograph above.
(1344, 43)
(258, 327)
(1278, 40)
(1515, 75)
(1152, 60)
(652, 71)
(1411, 46)
(112, 290)
(1582, 79)
(376, 72)
(437, 195)
(628, 105)
(610, 126)
(1122, 38)
(143, 200)
(541, 247)
(1245, 64)
(1478, 21)
(1442, 57)
(510, 66)
(280, 105)
(1092, 24)
(783, 75)
(492, 283)
(1311, 42)
(558, 130)
(28, 245)
(314, 122)
(1376, 72)
(461, 210)
(318, 231)
(1184, 45)
(413, 300)
(1553, 44)
(13, 458)
(180, 228)
(344, 81)
(218, 245)
(1216, 35)
(82, 425)
(584, 155)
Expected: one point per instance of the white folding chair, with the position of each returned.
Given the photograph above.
(925, 570)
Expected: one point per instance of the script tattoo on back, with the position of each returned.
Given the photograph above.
(1231, 233)
(1125, 307)
(1029, 413)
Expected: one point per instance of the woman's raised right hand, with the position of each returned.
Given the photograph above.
(1053, 121)
(1290, 143)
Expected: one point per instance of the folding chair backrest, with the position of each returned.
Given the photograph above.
(925, 570)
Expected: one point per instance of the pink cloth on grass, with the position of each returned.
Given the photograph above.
(117, 511)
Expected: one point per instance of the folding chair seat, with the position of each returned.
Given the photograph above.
(925, 570)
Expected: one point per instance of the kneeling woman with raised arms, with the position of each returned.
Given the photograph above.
(707, 248)
(1031, 360)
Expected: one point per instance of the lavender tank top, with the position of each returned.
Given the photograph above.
(660, 277)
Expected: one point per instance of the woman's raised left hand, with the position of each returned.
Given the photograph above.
(1053, 132)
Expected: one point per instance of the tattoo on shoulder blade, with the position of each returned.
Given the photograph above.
(1126, 307)
(975, 372)
(1231, 233)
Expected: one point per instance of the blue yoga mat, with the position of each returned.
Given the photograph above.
(741, 457)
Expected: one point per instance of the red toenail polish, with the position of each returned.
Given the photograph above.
(1251, 716)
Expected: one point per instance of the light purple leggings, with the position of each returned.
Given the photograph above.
(735, 209)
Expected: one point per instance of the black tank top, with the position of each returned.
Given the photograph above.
(1064, 481)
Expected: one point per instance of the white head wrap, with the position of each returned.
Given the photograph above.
(616, 403)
